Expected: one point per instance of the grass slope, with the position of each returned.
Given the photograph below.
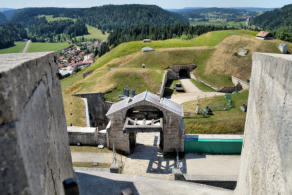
(222, 122)
(18, 48)
(44, 47)
(210, 39)
(224, 62)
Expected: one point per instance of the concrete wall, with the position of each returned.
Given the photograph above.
(34, 156)
(266, 161)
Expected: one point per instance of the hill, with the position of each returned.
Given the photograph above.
(279, 21)
(106, 17)
(122, 66)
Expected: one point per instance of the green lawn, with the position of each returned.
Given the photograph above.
(202, 87)
(222, 122)
(94, 33)
(18, 48)
(44, 47)
(163, 58)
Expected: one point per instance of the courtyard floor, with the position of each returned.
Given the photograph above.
(147, 160)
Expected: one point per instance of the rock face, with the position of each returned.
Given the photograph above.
(34, 156)
(266, 161)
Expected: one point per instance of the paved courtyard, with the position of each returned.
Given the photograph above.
(147, 160)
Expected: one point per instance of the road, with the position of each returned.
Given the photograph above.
(192, 93)
(26, 46)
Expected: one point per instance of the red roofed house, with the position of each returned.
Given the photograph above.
(264, 35)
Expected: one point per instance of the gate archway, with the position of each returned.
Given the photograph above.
(143, 119)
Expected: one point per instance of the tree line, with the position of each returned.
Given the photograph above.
(10, 33)
(105, 18)
(183, 31)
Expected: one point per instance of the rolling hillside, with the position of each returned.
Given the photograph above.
(122, 66)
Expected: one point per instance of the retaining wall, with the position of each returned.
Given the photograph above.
(97, 108)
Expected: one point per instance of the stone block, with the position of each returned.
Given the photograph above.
(266, 160)
(35, 156)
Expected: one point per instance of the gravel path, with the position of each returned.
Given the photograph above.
(192, 93)
(26, 46)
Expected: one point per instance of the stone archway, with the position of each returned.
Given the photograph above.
(143, 119)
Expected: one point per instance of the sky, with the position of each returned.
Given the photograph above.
(173, 4)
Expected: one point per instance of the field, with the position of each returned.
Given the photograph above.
(44, 47)
(94, 33)
(18, 48)
(222, 122)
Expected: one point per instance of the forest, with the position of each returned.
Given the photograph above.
(278, 21)
(183, 31)
(105, 18)
(56, 31)
(10, 33)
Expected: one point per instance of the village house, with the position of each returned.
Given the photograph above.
(264, 35)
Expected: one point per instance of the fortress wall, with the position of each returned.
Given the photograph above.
(97, 108)
(266, 161)
(34, 156)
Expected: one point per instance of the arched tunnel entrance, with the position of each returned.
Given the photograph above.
(184, 73)
(144, 119)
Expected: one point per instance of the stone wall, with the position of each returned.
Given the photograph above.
(34, 156)
(168, 76)
(266, 161)
(237, 81)
(178, 68)
(82, 135)
(97, 108)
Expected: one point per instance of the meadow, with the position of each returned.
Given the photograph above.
(45, 47)
(18, 48)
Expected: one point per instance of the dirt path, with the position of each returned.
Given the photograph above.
(26, 46)
(192, 93)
